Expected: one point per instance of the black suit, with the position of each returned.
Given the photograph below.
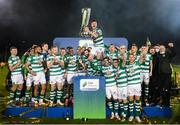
(165, 71)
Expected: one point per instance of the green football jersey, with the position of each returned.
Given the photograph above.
(133, 72)
(71, 63)
(13, 60)
(110, 78)
(55, 69)
(98, 41)
(36, 62)
(145, 66)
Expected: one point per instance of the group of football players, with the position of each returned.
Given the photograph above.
(124, 73)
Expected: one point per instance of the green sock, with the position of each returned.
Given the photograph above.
(11, 95)
(137, 109)
(18, 93)
(52, 95)
(146, 87)
(121, 108)
(36, 98)
(42, 96)
(116, 107)
(59, 94)
(125, 109)
(131, 107)
(27, 95)
(110, 105)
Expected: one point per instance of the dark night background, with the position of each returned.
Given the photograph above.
(24, 22)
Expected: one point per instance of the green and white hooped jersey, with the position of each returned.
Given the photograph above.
(13, 60)
(110, 79)
(55, 70)
(92, 67)
(98, 41)
(121, 74)
(36, 63)
(71, 61)
(145, 66)
(133, 73)
(112, 56)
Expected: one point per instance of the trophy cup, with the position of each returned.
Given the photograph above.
(85, 20)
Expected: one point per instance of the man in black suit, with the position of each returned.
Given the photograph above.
(164, 59)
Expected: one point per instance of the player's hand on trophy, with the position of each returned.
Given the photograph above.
(171, 44)
(86, 29)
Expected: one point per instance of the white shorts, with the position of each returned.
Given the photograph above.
(56, 79)
(134, 90)
(17, 79)
(29, 80)
(145, 77)
(122, 93)
(39, 78)
(111, 91)
(70, 76)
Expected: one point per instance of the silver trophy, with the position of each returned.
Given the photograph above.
(86, 12)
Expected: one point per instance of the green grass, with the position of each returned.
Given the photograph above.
(152, 120)
(3, 74)
(176, 68)
(3, 91)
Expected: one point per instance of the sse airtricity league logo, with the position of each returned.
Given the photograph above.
(89, 84)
